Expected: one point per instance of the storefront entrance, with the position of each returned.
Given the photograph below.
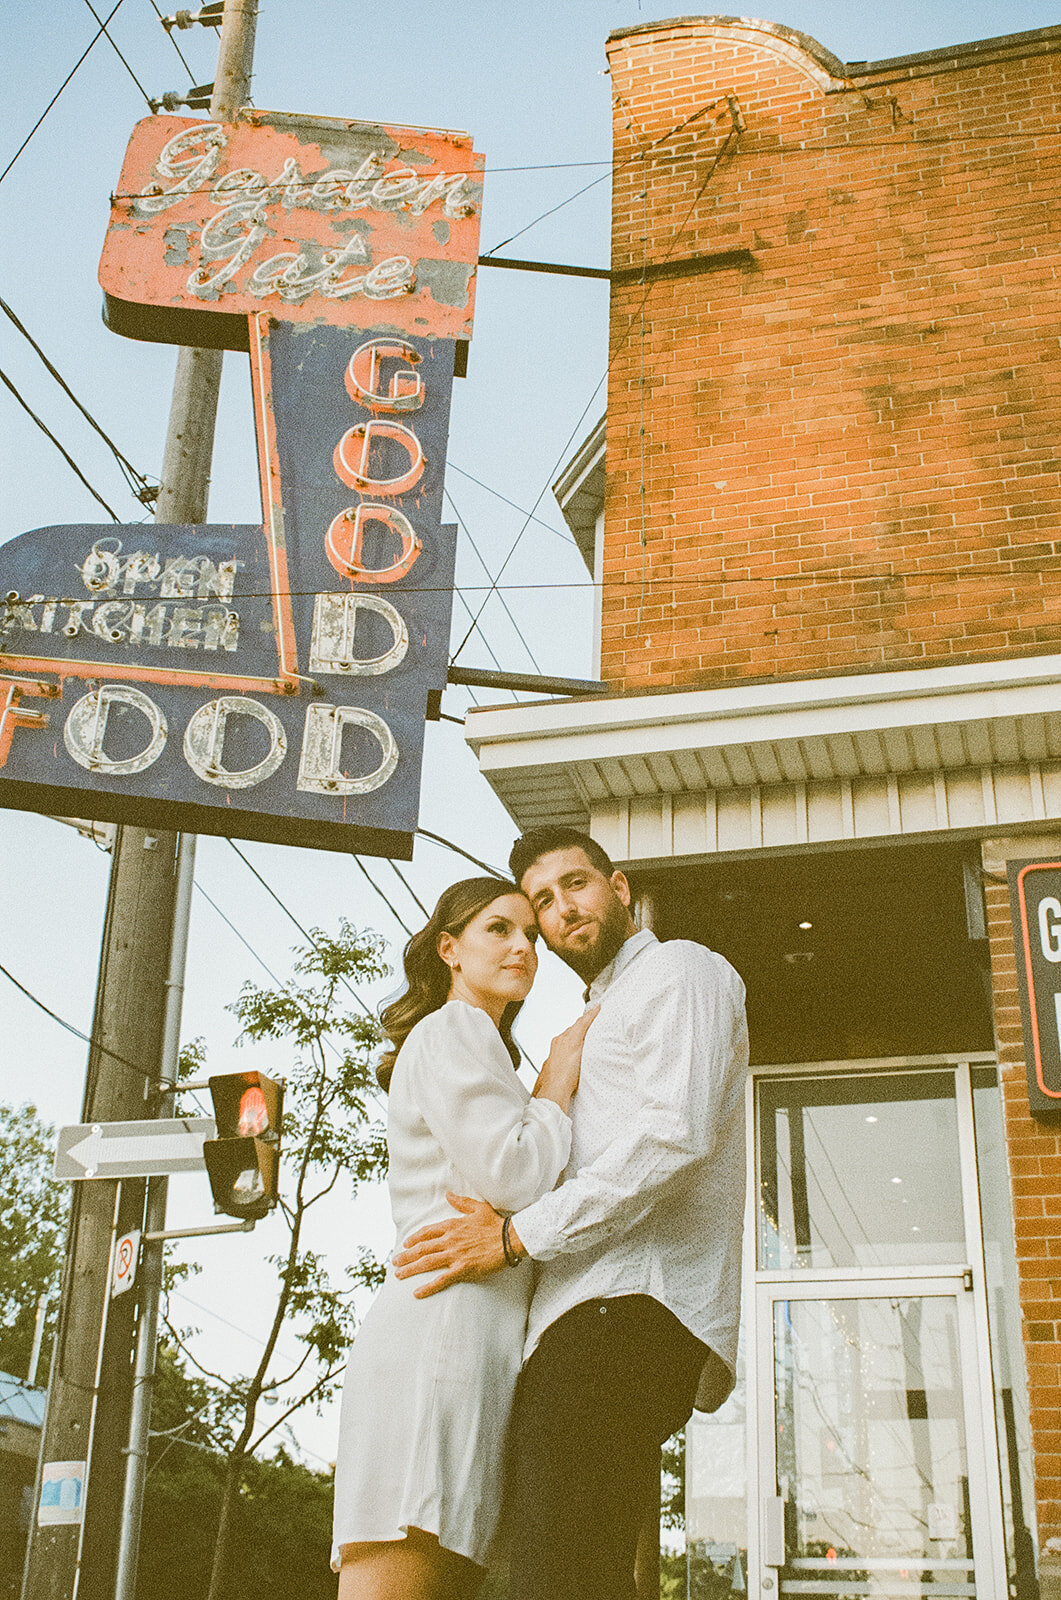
(874, 1446)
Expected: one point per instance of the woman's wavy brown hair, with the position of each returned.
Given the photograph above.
(427, 974)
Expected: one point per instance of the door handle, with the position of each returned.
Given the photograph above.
(773, 1531)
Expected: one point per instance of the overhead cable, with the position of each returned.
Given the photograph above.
(86, 1038)
(144, 491)
(541, 493)
(59, 91)
(71, 463)
(409, 888)
(173, 42)
(712, 169)
(117, 52)
(437, 838)
(617, 167)
(286, 909)
(451, 466)
(399, 919)
(535, 663)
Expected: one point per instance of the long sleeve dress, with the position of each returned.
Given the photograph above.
(429, 1383)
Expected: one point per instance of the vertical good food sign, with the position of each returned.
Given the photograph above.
(266, 681)
(1035, 902)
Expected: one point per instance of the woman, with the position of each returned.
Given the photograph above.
(429, 1383)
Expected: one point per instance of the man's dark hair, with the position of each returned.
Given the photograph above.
(555, 836)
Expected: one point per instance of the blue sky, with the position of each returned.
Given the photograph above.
(527, 81)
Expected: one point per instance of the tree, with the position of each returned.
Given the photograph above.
(327, 1135)
(33, 1211)
(285, 1510)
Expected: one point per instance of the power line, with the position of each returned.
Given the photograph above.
(616, 168)
(566, 446)
(396, 915)
(593, 183)
(121, 58)
(143, 490)
(408, 885)
(173, 42)
(712, 169)
(467, 534)
(71, 463)
(57, 93)
(451, 466)
(286, 909)
(244, 942)
(437, 838)
(90, 1039)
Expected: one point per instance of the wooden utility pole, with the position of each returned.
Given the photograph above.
(92, 1367)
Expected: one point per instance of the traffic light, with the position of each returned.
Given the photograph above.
(243, 1162)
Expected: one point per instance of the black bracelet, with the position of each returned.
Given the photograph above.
(506, 1244)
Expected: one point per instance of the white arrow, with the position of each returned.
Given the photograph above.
(172, 1143)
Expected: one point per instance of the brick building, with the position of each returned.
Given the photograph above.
(823, 512)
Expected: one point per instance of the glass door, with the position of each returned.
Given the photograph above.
(874, 1450)
(877, 1466)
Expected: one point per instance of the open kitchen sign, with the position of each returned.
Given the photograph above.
(1035, 900)
(267, 681)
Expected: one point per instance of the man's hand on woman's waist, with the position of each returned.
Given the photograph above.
(463, 1249)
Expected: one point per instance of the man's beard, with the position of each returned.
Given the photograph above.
(591, 959)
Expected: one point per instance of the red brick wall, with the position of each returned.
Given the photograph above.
(850, 449)
(1035, 1175)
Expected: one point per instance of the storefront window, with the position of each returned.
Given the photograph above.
(859, 1172)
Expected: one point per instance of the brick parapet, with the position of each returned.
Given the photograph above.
(1034, 1153)
(849, 447)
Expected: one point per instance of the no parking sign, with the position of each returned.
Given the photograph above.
(126, 1256)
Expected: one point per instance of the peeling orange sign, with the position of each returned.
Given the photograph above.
(357, 224)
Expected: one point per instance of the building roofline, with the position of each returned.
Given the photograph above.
(853, 69)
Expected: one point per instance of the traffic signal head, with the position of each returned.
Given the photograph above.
(243, 1162)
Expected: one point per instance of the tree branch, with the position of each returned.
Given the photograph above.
(321, 1383)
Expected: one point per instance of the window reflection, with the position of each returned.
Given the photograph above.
(859, 1172)
(871, 1448)
(716, 1498)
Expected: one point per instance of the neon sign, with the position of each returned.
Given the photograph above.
(267, 681)
(322, 219)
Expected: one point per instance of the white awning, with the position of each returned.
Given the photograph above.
(838, 757)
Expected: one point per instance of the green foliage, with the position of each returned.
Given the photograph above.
(672, 1482)
(283, 1521)
(33, 1210)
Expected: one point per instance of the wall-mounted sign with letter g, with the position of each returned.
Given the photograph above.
(1035, 901)
(243, 1162)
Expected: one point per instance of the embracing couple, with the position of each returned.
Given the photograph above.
(538, 1340)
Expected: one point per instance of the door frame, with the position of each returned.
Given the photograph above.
(763, 1288)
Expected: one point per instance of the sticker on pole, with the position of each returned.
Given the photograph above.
(126, 1256)
(62, 1493)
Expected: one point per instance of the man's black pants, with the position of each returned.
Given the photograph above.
(608, 1383)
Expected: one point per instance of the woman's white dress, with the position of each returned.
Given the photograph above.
(429, 1383)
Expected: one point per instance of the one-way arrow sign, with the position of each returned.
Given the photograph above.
(150, 1149)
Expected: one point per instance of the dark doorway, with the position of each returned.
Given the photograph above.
(848, 954)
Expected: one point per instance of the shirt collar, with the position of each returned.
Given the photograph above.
(626, 953)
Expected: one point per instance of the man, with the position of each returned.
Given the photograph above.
(639, 1248)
